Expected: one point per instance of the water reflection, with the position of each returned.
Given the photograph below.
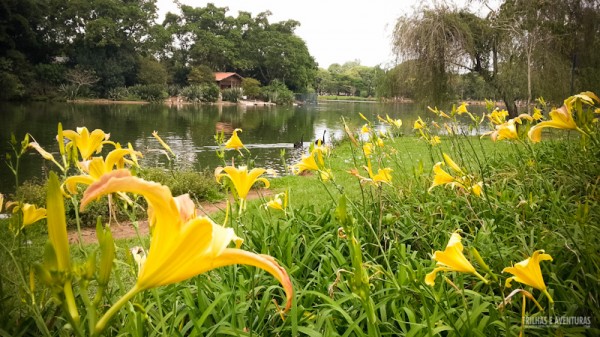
(190, 129)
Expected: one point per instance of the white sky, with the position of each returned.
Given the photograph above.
(335, 31)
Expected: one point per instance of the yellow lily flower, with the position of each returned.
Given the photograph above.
(45, 154)
(464, 181)
(365, 129)
(498, 116)
(87, 143)
(367, 149)
(31, 214)
(393, 122)
(277, 203)
(182, 245)
(452, 164)
(438, 112)
(96, 167)
(462, 109)
(441, 177)
(419, 124)
(308, 163)
(506, 130)
(559, 119)
(162, 142)
(235, 142)
(382, 176)
(435, 140)
(529, 272)
(241, 179)
(452, 259)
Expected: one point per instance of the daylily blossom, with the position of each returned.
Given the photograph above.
(45, 154)
(96, 167)
(382, 176)
(498, 116)
(31, 214)
(462, 109)
(438, 112)
(452, 259)
(368, 149)
(182, 245)
(277, 202)
(234, 142)
(162, 143)
(561, 118)
(462, 181)
(365, 129)
(242, 180)
(529, 272)
(419, 124)
(308, 163)
(87, 143)
(435, 140)
(507, 130)
(393, 122)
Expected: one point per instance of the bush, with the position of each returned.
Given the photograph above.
(201, 93)
(232, 94)
(34, 192)
(118, 94)
(150, 92)
(278, 93)
(251, 87)
(201, 186)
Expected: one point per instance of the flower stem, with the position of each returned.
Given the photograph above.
(101, 325)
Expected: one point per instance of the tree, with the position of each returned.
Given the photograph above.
(151, 71)
(251, 87)
(201, 74)
(435, 38)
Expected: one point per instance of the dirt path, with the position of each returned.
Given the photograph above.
(125, 230)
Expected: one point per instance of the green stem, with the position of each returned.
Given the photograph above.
(89, 306)
(545, 291)
(101, 325)
(78, 222)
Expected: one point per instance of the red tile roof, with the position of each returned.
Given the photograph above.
(222, 76)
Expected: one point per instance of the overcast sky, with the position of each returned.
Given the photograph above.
(335, 31)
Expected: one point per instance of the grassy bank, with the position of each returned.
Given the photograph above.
(357, 236)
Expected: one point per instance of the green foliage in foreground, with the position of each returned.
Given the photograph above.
(358, 262)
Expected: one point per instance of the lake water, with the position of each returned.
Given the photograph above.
(190, 129)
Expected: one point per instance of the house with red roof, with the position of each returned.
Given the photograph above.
(228, 80)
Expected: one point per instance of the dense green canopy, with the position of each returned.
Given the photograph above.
(121, 45)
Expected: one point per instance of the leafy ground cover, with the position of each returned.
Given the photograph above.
(441, 233)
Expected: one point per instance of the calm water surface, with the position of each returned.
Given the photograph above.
(189, 129)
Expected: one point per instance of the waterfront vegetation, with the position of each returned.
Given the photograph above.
(378, 234)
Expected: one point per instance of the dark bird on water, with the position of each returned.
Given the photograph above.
(321, 141)
(300, 144)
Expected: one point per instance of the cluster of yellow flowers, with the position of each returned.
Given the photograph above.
(452, 258)
(462, 180)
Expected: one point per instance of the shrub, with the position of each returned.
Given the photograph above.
(201, 93)
(150, 92)
(118, 93)
(200, 185)
(251, 87)
(232, 94)
(278, 93)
